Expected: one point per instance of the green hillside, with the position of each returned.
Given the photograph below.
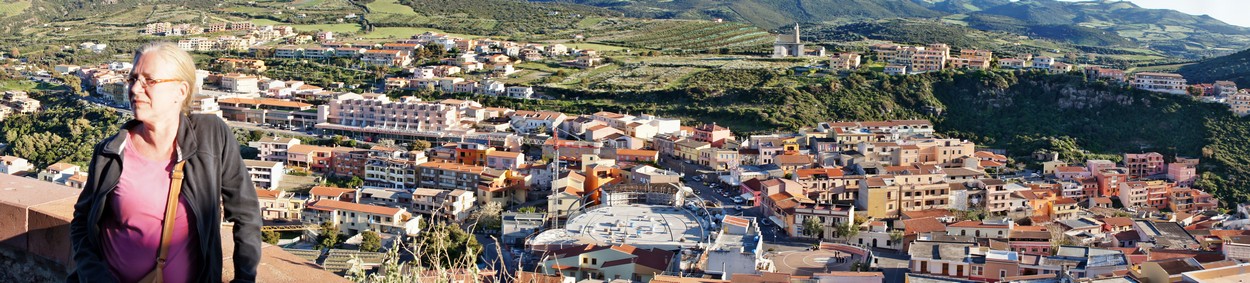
(1234, 67)
(1086, 23)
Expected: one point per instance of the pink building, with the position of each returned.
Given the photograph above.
(1143, 164)
(1184, 171)
(1069, 173)
(711, 133)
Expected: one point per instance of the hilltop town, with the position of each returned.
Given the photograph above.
(443, 134)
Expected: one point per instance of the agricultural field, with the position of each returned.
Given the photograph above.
(13, 8)
(406, 32)
(338, 28)
(695, 36)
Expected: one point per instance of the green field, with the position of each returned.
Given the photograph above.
(595, 46)
(13, 8)
(406, 32)
(589, 22)
(23, 85)
(353, 28)
(390, 7)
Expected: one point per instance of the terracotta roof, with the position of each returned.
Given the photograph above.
(975, 224)
(443, 165)
(534, 277)
(307, 149)
(329, 191)
(991, 163)
(1118, 221)
(81, 178)
(1065, 201)
(265, 101)
(60, 166)
(922, 225)
(827, 172)
(635, 152)
(801, 159)
(263, 193)
(330, 205)
(783, 200)
(736, 221)
(504, 154)
(927, 213)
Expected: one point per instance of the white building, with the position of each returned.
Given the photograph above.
(240, 83)
(523, 92)
(265, 174)
(353, 218)
(1160, 82)
(13, 165)
(273, 148)
(529, 121)
(738, 248)
(59, 173)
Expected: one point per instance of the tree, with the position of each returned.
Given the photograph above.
(328, 237)
(488, 217)
(370, 241)
(528, 209)
(896, 236)
(846, 231)
(269, 236)
(813, 227)
(355, 182)
(419, 145)
(447, 246)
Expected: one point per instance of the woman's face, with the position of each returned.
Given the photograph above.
(156, 93)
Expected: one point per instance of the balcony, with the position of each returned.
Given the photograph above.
(34, 238)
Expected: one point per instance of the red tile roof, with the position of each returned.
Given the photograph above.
(330, 191)
(922, 225)
(329, 205)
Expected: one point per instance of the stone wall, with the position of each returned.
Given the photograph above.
(35, 247)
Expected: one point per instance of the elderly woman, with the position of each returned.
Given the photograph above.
(120, 228)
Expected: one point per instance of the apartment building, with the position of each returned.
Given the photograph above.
(265, 174)
(1160, 82)
(353, 218)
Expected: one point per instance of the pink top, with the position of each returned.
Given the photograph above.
(132, 228)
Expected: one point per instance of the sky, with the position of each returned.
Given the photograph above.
(1230, 11)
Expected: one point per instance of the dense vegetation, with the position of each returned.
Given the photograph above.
(698, 36)
(1235, 67)
(66, 130)
(1098, 23)
(499, 17)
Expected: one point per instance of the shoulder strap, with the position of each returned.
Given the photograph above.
(171, 214)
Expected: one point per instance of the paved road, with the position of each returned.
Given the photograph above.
(774, 237)
(893, 264)
(250, 126)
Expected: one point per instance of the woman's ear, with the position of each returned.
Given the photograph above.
(186, 90)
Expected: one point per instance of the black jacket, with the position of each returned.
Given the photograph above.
(215, 177)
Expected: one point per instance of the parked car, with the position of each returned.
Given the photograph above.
(738, 200)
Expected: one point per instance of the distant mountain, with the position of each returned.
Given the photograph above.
(1094, 23)
(768, 13)
(1234, 67)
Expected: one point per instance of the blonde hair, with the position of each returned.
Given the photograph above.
(184, 65)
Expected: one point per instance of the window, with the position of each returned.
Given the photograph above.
(1002, 274)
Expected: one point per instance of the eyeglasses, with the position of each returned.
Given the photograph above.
(147, 82)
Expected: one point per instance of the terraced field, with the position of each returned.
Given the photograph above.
(695, 36)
